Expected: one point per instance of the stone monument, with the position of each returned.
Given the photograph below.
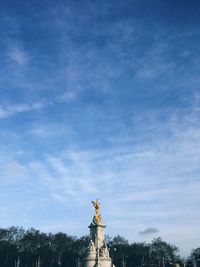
(97, 251)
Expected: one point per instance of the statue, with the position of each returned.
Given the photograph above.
(97, 218)
(104, 251)
(96, 204)
(91, 247)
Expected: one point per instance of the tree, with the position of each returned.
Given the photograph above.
(195, 257)
(162, 254)
(9, 239)
(118, 247)
(60, 250)
(138, 255)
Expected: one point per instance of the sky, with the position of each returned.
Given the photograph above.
(101, 99)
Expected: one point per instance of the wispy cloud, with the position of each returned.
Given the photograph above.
(12, 172)
(13, 109)
(67, 96)
(9, 110)
(49, 130)
(18, 56)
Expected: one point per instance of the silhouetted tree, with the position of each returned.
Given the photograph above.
(61, 250)
(195, 257)
(162, 254)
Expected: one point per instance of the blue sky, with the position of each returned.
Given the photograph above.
(101, 98)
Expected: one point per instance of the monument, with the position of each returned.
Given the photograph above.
(97, 251)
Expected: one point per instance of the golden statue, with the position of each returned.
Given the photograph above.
(97, 218)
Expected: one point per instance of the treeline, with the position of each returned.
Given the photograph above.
(32, 248)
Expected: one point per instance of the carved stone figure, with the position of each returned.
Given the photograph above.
(104, 252)
(91, 247)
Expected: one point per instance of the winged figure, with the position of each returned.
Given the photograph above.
(97, 218)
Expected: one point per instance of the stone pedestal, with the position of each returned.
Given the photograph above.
(97, 234)
(97, 252)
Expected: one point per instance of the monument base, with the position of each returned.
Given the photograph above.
(102, 262)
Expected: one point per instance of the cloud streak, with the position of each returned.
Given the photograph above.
(10, 110)
(13, 109)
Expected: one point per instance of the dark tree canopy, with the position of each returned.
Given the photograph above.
(61, 250)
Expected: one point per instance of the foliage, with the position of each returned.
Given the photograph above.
(195, 257)
(60, 249)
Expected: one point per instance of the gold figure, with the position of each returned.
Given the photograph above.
(96, 204)
(97, 217)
